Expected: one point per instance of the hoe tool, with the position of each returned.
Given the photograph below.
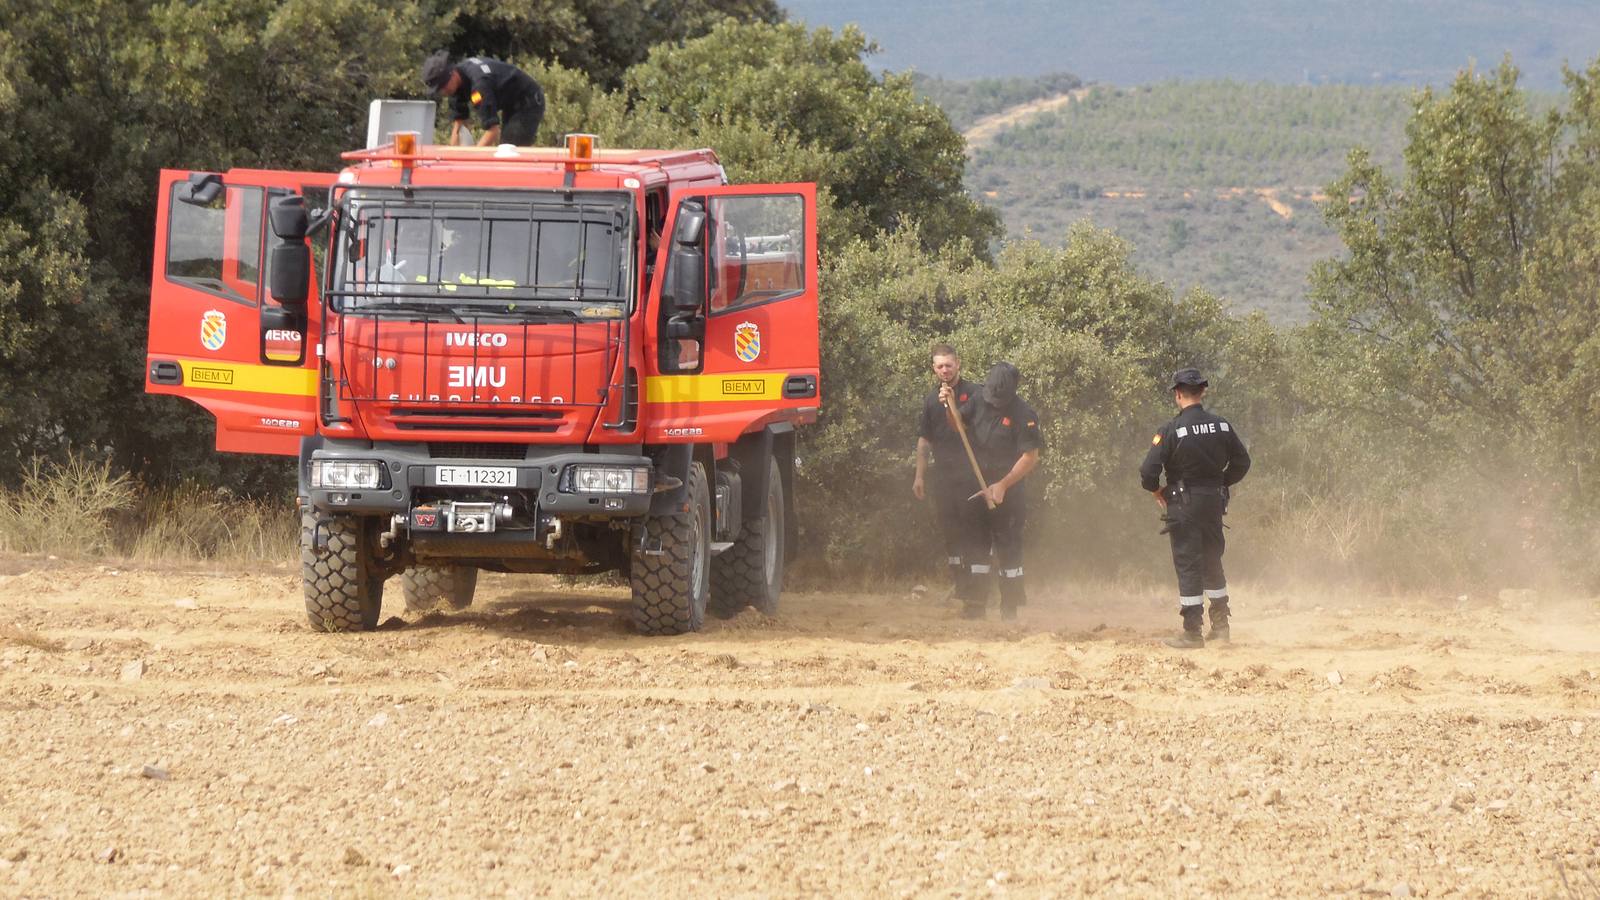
(955, 416)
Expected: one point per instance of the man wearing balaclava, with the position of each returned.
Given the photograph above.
(1005, 438)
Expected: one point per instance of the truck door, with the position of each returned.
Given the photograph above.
(216, 335)
(744, 351)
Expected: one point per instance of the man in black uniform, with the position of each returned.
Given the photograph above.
(949, 477)
(1203, 457)
(494, 91)
(1005, 437)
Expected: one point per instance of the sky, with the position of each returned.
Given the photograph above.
(1285, 41)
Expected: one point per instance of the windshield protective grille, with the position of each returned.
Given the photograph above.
(507, 251)
(472, 309)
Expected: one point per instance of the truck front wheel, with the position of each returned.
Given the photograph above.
(750, 573)
(344, 590)
(427, 587)
(670, 586)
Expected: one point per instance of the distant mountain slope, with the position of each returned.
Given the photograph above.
(1285, 41)
(1216, 184)
(965, 102)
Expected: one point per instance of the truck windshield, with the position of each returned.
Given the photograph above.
(497, 252)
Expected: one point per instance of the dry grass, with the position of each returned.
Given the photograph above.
(81, 508)
(11, 634)
(192, 523)
(65, 508)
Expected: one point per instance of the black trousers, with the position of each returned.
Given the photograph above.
(999, 532)
(949, 493)
(522, 124)
(1195, 521)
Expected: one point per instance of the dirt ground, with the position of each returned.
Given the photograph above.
(183, 732)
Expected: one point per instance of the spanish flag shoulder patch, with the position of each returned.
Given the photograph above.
(1155, 441)
(477, 98)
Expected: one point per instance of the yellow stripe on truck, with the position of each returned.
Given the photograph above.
(714, 388)
(216, 375)
(297, 382)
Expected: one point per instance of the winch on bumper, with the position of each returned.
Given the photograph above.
(474, 495)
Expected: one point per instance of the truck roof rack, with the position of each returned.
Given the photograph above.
(507, 153)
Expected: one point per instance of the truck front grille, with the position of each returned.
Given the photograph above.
(476, 450)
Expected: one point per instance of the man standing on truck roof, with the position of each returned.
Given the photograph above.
(509, 104)
(947, 476)
(1203, 456)
(1004, 431)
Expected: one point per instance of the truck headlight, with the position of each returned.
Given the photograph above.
(608, 479)
(346, 473)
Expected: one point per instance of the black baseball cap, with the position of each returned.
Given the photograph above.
(436, 71)
(1187, 378)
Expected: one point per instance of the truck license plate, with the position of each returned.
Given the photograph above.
(474, 476)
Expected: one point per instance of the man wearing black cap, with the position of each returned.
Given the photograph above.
(492, 90)
(947, 475)
(1203, 456)
(1005, 438)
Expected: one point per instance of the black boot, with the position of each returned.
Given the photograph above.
(976, 596)
(1189, 638)
(959, 584)
(1219, 620)
(1012, 596)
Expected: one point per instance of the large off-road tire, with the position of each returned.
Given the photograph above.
(670, 588)
(344, 590)
(428, 587)
(750, 573)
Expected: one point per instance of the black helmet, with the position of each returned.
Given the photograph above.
(436, 71)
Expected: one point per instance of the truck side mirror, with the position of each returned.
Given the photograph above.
(686, 274)
(289, 218)
(290, 264)
(688, 285)
(691, 225)
(200, 189)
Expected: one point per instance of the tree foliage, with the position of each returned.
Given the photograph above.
(1465, 296)
(602, 38)
(1093, 339)
(781, 103)
(1458, 333)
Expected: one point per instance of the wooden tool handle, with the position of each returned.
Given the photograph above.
(955, 415)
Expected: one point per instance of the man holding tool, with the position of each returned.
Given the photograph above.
(946, 477)
(1203, 457)
(1004, 449)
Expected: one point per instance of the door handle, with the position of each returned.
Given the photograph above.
(166, 372)
(799, 387)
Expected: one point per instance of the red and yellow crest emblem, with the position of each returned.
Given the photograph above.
(213, 330)
(747, 341)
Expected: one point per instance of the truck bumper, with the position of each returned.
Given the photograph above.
(543, 474)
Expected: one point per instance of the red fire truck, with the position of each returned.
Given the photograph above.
(567, 360)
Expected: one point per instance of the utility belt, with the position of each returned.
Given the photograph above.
(1178, 493)
(1178, 489)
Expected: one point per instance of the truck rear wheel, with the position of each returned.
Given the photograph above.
(670, 587)
(750, 573)
(427, 587)
(344, 591)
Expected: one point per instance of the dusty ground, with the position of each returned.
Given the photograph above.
(857, 745)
